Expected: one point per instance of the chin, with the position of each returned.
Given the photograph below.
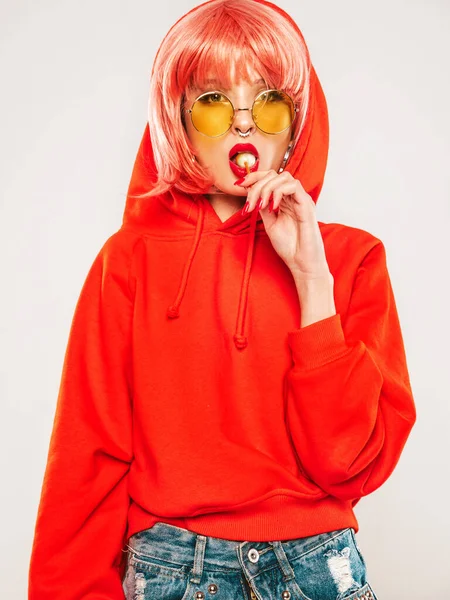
(227, 188)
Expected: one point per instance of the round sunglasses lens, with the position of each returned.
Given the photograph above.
(212, 114)
(273, 111)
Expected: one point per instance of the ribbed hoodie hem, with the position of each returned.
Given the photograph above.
(280, 517)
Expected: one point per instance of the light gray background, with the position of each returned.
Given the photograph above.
(75, 79)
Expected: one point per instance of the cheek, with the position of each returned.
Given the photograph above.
(272, 154)
(206, 151)
(195, 139)
(282, 146)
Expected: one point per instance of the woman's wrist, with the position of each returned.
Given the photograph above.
(316, 296)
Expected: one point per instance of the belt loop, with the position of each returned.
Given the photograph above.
(283, 561)
(199, 555)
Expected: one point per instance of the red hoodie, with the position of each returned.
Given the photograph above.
(190, 394)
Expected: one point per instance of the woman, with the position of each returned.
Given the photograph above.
(235, 378)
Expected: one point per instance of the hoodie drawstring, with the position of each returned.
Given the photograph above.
(240, 339)
(173, 311)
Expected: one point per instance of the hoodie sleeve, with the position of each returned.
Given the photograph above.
(82, 515)
(350, 407)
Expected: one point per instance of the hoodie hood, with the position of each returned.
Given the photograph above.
(193, 212)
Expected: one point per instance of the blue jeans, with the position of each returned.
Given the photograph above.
(171, 563)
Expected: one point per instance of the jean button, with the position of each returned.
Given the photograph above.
(253, 555)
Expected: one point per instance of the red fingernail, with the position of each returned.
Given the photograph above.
(245, 209)
(260, 203)
(271, 205)
(239, 181)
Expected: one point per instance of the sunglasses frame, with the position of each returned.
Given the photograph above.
(294, 104)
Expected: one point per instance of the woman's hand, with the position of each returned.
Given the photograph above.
(291, 224)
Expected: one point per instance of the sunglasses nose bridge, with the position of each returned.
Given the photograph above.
(244, 122)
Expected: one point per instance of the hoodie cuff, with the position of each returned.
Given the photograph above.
(318, 343)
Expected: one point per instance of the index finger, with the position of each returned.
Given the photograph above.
(251, 178)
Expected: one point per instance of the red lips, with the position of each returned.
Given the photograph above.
(243, 148)
(241, 171)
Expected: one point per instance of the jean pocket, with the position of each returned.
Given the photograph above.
(332, 570)
(147, 578)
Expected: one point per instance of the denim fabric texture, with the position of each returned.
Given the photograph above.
(167, 562)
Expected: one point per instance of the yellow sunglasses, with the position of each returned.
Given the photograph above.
(212, 113)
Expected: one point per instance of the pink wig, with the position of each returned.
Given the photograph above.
(206, 43)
